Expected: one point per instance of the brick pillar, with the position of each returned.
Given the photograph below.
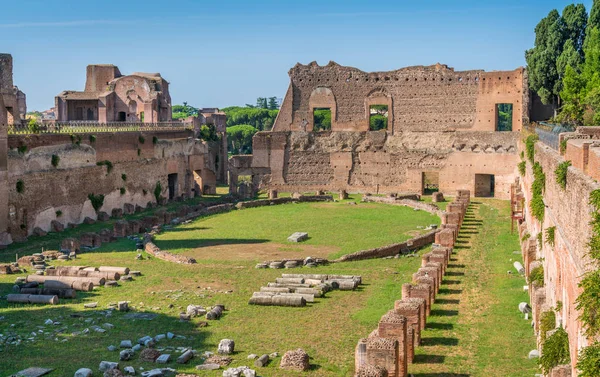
(425, 259)
(272, 194)
(426, 280)
(419, 291)
(394, 326)
(431, 273)
(538, 299)
(445, 251)
(360, 354)
(445, 238)
(383, 352)
(440, 272)
(441, 259)
(412, 312)
(421, 303)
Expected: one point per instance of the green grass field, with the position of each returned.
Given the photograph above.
(488, 337)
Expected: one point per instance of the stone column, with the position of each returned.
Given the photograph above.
(411, 311)
(383, 352)
(394, 326)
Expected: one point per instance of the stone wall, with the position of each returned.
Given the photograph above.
(377, 162)
(59, 193)
(439, 121)
(566, 261)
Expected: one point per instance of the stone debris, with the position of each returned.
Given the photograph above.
(298, 237)
(262, 361)
(524, 308)
(163, 359)
(226, 347)
(126, 354)
(106, 365)
(83, 372)
(220, 360)
(533, 354)
(195, 311)
(295, 360)
(126, 344)
(242, 371)
(34, 372)
(113, 373)
(129, 371)
(149, 354)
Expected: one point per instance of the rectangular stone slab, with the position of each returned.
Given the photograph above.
(298, 237)
(34, 372)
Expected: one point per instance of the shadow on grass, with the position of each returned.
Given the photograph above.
(447, 291)
(429, 359)
(451, 282)
(444, 313)
(456, 265)
(439, 326)
(455, 273)
(199, 243)
(439, 341)
(447, 301)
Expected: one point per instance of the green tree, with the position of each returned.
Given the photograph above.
(261, 119)
(261, 103)
(240, 138)
(322, 120)
(183, 111)
(273, 105)
(575, 21)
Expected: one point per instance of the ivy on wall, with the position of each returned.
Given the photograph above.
(522, 167)
(588, 301)
(530, 147)
(555, 350)
(588, 362)
(536, 277)
(550, 233)
(538, 186)
(561, 174)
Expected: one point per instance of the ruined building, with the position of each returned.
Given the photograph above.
(444, 128)
(15, 105)
(50, 180)
(111, 97)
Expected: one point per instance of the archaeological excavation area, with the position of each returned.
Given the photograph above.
(134, 244)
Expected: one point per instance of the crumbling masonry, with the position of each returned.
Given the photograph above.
(440, 122)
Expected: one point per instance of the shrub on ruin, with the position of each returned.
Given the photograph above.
(122, 190)
(563, 146)
(522, 154)
(141, 139)
(538, 186)
(588, 362)
(124, 176)
(525, 237)
(55, 160)
(555, 350)
(97, 201)
(139, 152)
(92, 138)
(530, 147)
(550, 234)
(561, 174)
(108, 164)
(536, 276)
(22, 149)
(588, 303)
(540, 239)
(154, 140)
(59, 213)
(33, 126)
(157, 191)
(75, 139)
(547, 323)
(522, 167)
(594, 243)
(20, 186)
(559, 305)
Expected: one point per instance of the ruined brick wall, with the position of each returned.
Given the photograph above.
(65, 188)
(98, 76)
(379, 162)
(565, 262)
(439, 121)
(433, 98)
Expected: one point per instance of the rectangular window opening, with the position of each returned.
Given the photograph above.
(504, 116)
(321, 119)
(378, 117)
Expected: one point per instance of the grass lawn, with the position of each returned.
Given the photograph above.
(227, 246)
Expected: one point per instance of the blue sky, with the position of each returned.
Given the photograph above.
(220, 53)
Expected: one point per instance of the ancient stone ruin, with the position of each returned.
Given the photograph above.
(442, 130)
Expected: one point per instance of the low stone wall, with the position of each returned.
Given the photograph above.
(153, 250)
(268, 202)
(405, 200)
(391, 250)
